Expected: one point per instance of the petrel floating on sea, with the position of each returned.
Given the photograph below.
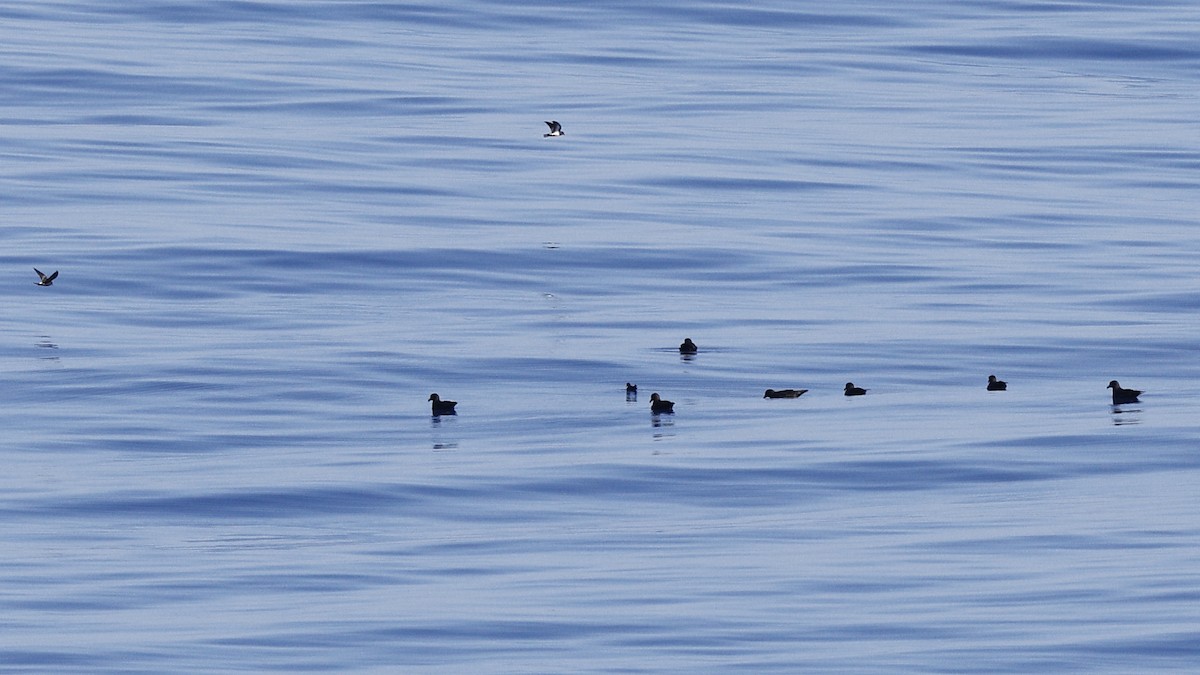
(441, 407)
(1121, 395)
(659, 407)
(44, 280)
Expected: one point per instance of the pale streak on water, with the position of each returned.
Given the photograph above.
(281, 225)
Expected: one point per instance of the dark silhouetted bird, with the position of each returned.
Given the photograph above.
(688, 347)
(852, 390)
(441, 407)
(658, 406)
(996, 385)
(784, 393)
(1122, 395)
(44, 280)
(555, 130)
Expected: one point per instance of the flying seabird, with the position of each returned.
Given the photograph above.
(44, 280)
(555, 129)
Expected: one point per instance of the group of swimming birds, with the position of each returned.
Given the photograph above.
(661, 406)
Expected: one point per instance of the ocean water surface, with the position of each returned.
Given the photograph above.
(280, 226)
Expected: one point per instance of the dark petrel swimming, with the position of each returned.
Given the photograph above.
(1123, 395)
(441, 407)
(659, 406)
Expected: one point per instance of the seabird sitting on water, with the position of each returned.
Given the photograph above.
(996, 385)
(44, 280)
(657, 405)
(1122, 395)
(852, 390)
(441, 407)
(784, 393)
(688, 347)
(555, 129)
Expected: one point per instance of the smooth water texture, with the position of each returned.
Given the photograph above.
(281, 225)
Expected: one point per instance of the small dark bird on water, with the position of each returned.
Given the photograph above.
(44, 280)
(688, 347)
(852, 390)
(784, 393)
(441, 407)
(555, 130)
(996, 385)
(630, 388)
(659, 406)
(1122, 395)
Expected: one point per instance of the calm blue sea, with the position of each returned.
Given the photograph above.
(281, 224)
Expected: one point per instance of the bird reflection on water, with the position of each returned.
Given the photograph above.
(1124, 416)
